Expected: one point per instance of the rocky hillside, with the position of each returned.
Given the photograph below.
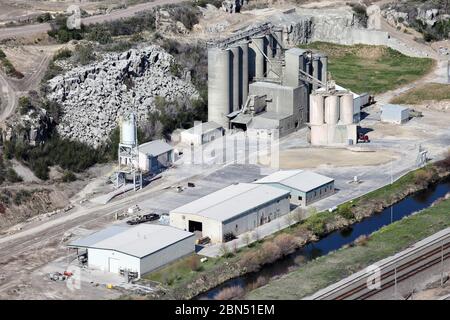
(94, 96)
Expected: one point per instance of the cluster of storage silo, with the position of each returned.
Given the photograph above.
(258, 57)
(230, 69)
(331, 108)
(330, 114)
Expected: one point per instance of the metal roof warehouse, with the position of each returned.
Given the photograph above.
(305, 186)
(141, 249)
(236, 209)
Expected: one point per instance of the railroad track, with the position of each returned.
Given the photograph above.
(388, 272)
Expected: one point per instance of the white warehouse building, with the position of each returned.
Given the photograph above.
(140, 249)
(202, 133)
(305, 187)
(155, 156)
(394, 113)
(235, 209)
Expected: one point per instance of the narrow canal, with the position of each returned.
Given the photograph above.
(336, 239)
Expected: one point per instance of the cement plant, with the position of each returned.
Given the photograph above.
(224, 150)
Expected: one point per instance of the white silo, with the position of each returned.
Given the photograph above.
(316, 109)
(346, 108)
(332, 109)
(219, 87)
(128, 130)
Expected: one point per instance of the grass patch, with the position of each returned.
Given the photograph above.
(425, 92)
(335, 266)
(182, 270)
(372, 69)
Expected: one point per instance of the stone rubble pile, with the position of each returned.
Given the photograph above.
(94, 96)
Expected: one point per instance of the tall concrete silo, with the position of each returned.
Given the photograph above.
(294, 61)
(316, 68)
(316, 109)
(324, 68)
(270, 45)
(235, 78)
(245, 70)
(279, 42)
(258, 47)
(332, 109)
(219, 85)
(346, 108)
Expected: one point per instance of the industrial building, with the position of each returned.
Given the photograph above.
(202, 133)
(139, 249)
(128, 166)
(155, 156)
(233, 210)
(255, 83)
(394, 113)
(258, 85)
(332, 118)
(305, 187)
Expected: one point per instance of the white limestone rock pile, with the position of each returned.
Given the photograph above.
(94, 96)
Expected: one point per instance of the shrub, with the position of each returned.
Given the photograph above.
(187, 15)
(44, 17)
(84, 54)
(21, 196)
(25, 105)
(70, 155)
(225, 251)
(316, 225)
(286, 243)
(269, 253)
(69, 176)
(444, 163)
(2, 54)
(12, 176)
(422, 177)
(362, 240)
(194, 263)
(62, 54)
(250, 261)
(99, 33)
(346, 212)
(229, 293)
(61, 33)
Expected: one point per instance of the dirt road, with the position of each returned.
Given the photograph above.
(12, 89)
(27, 30)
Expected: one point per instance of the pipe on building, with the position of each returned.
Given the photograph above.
(245, 71)
(219, 86)
(235, 77)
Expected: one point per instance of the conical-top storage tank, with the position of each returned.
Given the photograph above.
(316, 109)
(128, 130)
(346, 108)
(332, 109)
(219, 87)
